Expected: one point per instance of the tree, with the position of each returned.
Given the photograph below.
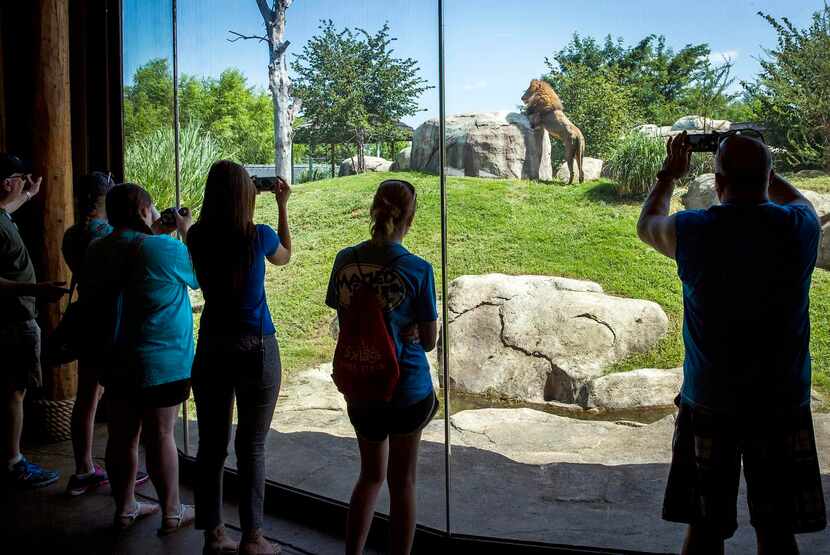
(665, 84)
(352, 86)
(286, 107)
(792, 94)
(148, 102)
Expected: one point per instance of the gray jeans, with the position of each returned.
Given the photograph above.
(220, 372)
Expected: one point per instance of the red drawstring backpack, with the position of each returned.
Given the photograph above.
(365, 360)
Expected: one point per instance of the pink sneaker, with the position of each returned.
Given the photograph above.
(79, 485)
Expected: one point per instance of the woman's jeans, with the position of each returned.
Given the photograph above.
(221, 369)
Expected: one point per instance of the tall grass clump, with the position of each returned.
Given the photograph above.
(150, 162)
(636, 159)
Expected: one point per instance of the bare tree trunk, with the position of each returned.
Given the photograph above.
(333, 174)
(361, 160)
(285, 108)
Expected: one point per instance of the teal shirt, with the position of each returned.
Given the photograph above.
(155, 338)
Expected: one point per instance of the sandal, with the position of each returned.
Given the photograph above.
(124, 521)
(254, 543)
(184, 518)
(217, 543)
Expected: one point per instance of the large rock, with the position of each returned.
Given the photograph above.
(373, 164)
(638, 389)
(499, 144)
(824, 248)
(401, 162)
(700, 124)
(701, 193)
(540, 338)
(592, 167)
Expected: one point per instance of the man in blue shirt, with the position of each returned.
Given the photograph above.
(745, 266)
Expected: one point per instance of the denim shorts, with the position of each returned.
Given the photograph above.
(377, 421)
(20, 346)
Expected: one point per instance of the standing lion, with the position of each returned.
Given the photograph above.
(543, 106)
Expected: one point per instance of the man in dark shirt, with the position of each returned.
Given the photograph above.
(746, 266)
(19, 332)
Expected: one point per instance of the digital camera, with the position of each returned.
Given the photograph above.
(265, 183)
(709, 142)
(168, 217)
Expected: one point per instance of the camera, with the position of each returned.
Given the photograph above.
(709, 142)
(266, 184)
(168, 217)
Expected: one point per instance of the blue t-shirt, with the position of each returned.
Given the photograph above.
(746, 272)
(406, 287)
(248, 315)
(154, 317)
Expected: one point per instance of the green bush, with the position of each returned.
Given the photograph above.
(149, 161)
(637, 158)
(314, 174)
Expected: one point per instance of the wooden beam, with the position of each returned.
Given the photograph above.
(52, 159)
(3, 123)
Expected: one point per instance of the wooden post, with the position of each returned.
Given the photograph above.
(333, 174)
(52, 148)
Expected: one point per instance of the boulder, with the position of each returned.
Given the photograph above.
(810, 174)
(649, 130)
(638, 389)
(484, 144)
(401, 162)
(701, 193)
(820, 201)
(700, 124)
(591, 167)
(541, 338)
(824, 248)
(373, 164)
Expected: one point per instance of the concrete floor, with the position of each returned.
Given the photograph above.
(48, 521)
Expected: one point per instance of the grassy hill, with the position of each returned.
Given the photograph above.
(511, 227)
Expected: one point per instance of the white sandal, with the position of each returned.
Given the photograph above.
(185, 517)
(125, 521)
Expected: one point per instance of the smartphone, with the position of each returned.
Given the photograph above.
(265, 183)
(704, 142)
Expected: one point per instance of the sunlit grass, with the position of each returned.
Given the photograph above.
(511, 227)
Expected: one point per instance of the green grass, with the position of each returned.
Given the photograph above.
(511, 227)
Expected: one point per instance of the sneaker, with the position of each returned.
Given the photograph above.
(80, 484)
(29, 475)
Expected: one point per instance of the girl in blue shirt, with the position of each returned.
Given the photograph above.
(238, 355)
(388, 433)
(140, 323)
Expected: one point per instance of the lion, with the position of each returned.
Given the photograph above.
(544, 107)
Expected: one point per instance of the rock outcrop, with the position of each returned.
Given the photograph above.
(373, 164)
(591, 167)
(497, 144)
(540, 338)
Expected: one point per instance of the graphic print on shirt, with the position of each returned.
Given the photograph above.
(388, 284)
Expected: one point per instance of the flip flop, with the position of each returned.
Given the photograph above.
(125, 521)
(185, 517)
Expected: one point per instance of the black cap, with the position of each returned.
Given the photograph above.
(11, 164)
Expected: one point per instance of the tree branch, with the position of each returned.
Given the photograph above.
(267, 13)
(280, 50)
(240, 36)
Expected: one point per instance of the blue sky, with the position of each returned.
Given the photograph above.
(493, 47)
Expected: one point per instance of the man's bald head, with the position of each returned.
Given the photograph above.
(742, 165)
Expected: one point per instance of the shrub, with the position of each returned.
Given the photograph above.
(637, 158)
(150, 162)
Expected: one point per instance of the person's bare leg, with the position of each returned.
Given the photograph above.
(13, 422)
(373, 458)
(122, 453)
(702, 541)
(83, 419)
(776, 542)
(162, 456)
(401, 476)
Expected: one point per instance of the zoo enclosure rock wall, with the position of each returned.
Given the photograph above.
(486, 144)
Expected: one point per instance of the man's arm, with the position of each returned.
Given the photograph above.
(783, 192)
(655, 227)
(51, 291)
